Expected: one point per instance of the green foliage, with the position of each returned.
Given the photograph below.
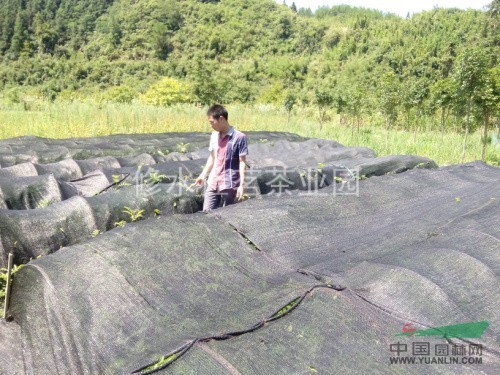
(134, 214)
(286, 309)
(182, 147)
(117, 178)
(163, 361)
(167, 92)
(389, 97)
(3, 281)
(156, 178)
(95, 233)
(120, 224)
(353, 61)
(43, 203)
(120, 94)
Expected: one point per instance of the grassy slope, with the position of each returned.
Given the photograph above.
(63, 119)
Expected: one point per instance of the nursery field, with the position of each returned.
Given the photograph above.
(333, 254)
(367, 240)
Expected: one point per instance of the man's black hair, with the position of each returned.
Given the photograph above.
(216, 111)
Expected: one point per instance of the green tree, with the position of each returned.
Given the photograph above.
(389, 100)
(469, 77)
(289, 101)
(415, 91)
(209, 85)
(324, 99)
(487, 103)
(442, 93)
(20, 37)
(355, 103)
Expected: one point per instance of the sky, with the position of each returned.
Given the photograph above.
(399, 7)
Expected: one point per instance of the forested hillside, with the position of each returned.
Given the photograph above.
(358, 61)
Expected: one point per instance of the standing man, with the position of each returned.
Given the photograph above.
(226, 162)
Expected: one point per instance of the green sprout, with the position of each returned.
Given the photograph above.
(43, 203)
(120, 224)
(156, 178)
(182, 147)
(134, 214)
(95, 233)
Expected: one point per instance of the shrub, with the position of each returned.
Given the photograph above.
(120, 94)
(166, 92)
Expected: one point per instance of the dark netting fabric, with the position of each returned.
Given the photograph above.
(87, 186)
(280, 284)
(98, 163)
(24, 193)
(11, 359)
(299, 279)
(303, 154)
(20, 170)
(171, 171)
(142, 159)
(30, 233)
(385, 164)
(124, 298)
(45, 230)
(45, 151)
(64, 170)
(329, 333)
(166, 199)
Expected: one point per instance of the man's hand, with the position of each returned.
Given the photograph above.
(199, 181)
(240, 192)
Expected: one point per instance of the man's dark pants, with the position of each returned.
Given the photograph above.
(215, 199)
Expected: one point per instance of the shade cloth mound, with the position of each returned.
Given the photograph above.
(420, 247)
(123, 298)
(424, 245)
(329, 333)
(45, 230)
(47, 151)
(24, 193)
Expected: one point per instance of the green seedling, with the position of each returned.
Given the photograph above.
(182, 147)
(120, 224)
(43, 203)
(339, 179)
(116, 180)
(3, 279)
(156, 178)
(134, 214)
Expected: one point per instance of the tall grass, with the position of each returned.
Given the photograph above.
(89, 119)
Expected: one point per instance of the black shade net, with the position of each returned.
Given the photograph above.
(316, 273)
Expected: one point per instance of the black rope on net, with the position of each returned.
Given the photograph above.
(114, 183)
(173, 356)
(165, 361)
(320, 278)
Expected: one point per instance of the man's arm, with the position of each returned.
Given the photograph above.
(241, 188)
(208, 168)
